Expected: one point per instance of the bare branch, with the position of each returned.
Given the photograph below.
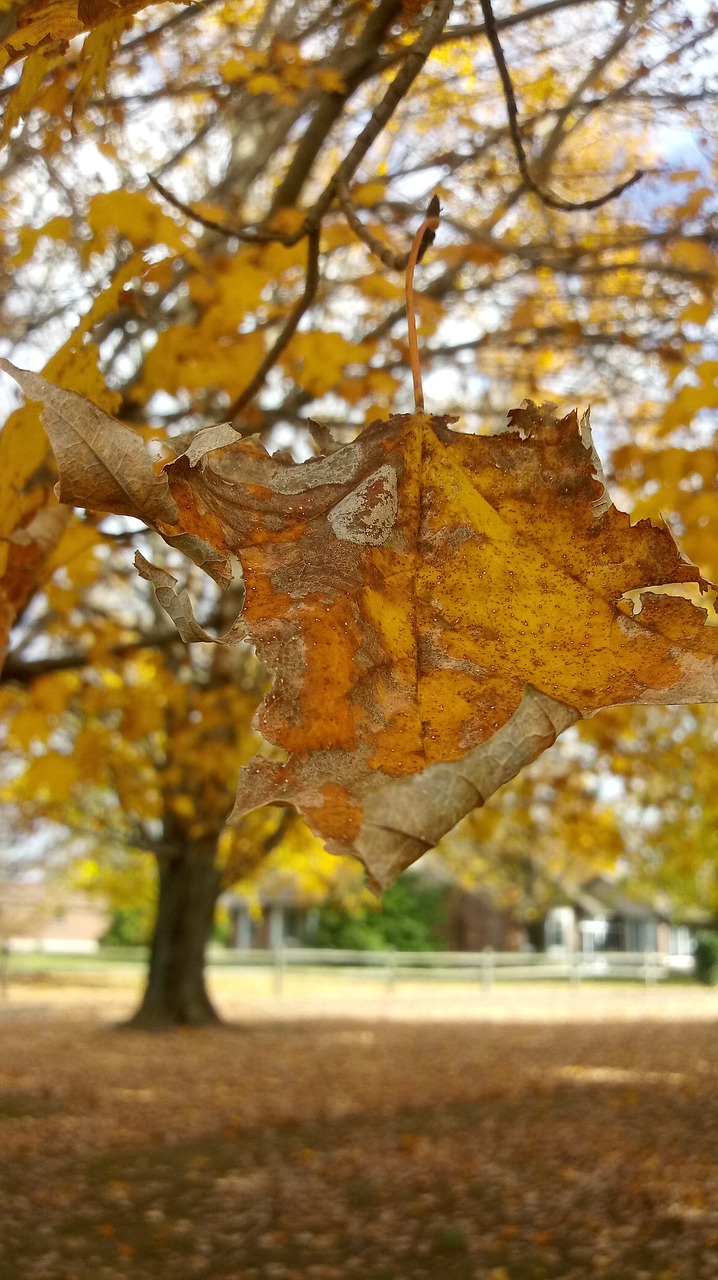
(354, 63)
(399, 87)
(546, 197)
(20, 670)
(468, 31)
(310, 288)
(394, 261)
(248, 235)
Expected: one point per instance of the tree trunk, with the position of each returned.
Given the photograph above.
(176, 995)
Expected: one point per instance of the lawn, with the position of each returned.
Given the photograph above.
(540, 1135)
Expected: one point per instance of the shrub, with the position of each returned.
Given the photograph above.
(707, 959)
(409, 918)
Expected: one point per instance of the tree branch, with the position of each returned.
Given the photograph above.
(24, 670)
(546, 197)
(394, 261)
(248, 235)
(469, 30)
(399, 87)
(290, 325)
(331, 105)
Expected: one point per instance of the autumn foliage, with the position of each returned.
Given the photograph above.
(413, 595)
(226, 195)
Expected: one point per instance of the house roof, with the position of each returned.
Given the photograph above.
(605, 896)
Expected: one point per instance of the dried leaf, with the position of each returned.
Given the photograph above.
(49, 24)
(435, 608)
(177, 604)
(209, 439)
(106, 465)
(422, 808)
(27, 467)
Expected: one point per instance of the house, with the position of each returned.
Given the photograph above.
(276, 919)
(35, 916)
(600, 917)
(474, 921)
(596, 918)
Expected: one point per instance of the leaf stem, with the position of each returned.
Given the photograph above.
(423, 238)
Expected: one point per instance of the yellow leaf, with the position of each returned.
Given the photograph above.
(318, 360)
(234, 69)
(77, 540)
(136, 217)
(379, 286)
(188, 357)
(50, 24)
(264, 84)
(693, 204)
(699, 312)
(28, 726)
(97, 53)
(58, 228)
(184, 806)
(376, 413)
(694, 255)
(37, 66)
(330, 80)
(368, 194)
(51, 777)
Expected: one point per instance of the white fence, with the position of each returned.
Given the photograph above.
(484, 967)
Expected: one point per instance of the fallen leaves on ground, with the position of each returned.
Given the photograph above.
(318, 1150)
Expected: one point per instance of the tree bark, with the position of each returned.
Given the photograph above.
(176, 995)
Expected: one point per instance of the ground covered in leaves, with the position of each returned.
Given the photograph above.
(575, 1147)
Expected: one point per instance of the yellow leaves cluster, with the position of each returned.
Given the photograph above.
(24, 94)
(129, 883)
(696, 255)
(135, 743)
(58, 228)
(281, 72)
(48, 779)
(368, 194)
(97, 53)
(676, 482)
(29, 726)
(133, 216)
(31, 522)
(318, 361)
(48, 83)
(178, 362)
(223, 346)
(692, 398)
(272, 853)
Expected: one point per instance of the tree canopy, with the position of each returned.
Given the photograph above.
(207, 213)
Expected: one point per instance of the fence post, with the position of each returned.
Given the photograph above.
(390, 969)
(487, 968)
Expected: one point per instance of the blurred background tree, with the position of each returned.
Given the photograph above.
(293, 149)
